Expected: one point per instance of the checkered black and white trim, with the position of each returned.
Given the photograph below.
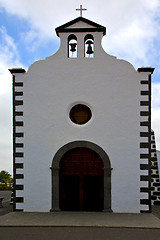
(145, 135)
(18, 136)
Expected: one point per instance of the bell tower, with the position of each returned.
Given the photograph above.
(80, 38)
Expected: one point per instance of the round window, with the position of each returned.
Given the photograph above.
(80, 114)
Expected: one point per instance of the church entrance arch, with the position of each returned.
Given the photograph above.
(81, 178)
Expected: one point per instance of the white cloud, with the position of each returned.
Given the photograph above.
(5, 123)
(156, 112)
(8, 51)
(156, 125)
(31, 39)
(6, 132)
(43, 15)
(125, 18)
(133, 31)
(131, 25)
(9, 58)
(156, 95)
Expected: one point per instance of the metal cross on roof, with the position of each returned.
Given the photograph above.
(81, 9)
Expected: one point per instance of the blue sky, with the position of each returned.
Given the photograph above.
(27, 34)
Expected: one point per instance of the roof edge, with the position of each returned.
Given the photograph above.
(17, 70)
(63, 27)
(146, 69)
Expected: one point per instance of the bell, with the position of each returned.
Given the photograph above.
(73, 47)
(89, 50)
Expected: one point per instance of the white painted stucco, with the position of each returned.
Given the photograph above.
(111, 88)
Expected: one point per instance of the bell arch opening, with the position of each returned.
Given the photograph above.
(89, 46)
(72, 46)
(83, 167)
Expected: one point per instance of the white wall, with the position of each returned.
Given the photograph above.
(110, 87)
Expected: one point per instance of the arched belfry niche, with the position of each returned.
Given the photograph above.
(89, 46)
(72, 46)
(58, 159)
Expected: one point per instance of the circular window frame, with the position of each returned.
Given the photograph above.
(80, 118)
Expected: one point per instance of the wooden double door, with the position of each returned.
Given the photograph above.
(81, 181)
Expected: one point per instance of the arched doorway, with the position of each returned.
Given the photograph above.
(81, 181)
(58, 162)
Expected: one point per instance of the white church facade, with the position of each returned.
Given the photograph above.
(82, 128)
